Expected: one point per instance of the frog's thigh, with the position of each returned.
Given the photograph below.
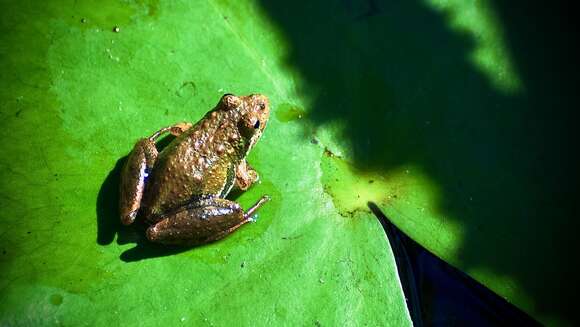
(245, 176)
(133, 175)
(139, 163)
(198, 225)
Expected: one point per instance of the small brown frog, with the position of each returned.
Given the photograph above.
(180, 191)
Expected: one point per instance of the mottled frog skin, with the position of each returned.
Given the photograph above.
(180, 191)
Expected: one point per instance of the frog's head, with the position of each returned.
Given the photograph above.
(252, 111)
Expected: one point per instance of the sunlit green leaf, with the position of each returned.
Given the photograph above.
(82, 82)
(451, 116)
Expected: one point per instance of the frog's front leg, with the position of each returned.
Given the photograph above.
(245, 176)
(139, 162)
(203, 222)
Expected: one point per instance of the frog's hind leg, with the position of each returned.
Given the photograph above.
(139, 163)
(207, 221)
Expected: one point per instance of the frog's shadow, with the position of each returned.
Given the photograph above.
(109, 225)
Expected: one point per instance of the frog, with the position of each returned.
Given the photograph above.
(180, 190)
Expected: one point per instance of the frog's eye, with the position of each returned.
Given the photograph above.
(262, 106)
(257, 124)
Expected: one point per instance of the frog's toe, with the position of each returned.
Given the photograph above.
(246, 176)
(180, 128)
(253, 218)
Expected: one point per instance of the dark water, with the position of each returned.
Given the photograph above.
(439, 295)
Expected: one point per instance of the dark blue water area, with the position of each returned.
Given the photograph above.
(438, 294)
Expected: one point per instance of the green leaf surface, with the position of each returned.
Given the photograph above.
(78, 95)
(430, 109)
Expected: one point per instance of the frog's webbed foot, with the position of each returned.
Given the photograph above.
(245, 176)
(206, 221)
(139, 163)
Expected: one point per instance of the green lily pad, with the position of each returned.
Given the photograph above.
(417, 106)
(84, 80)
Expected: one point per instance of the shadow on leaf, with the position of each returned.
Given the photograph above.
(404, 83)
(109, 224)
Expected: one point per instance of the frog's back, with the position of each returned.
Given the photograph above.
(199, 163)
